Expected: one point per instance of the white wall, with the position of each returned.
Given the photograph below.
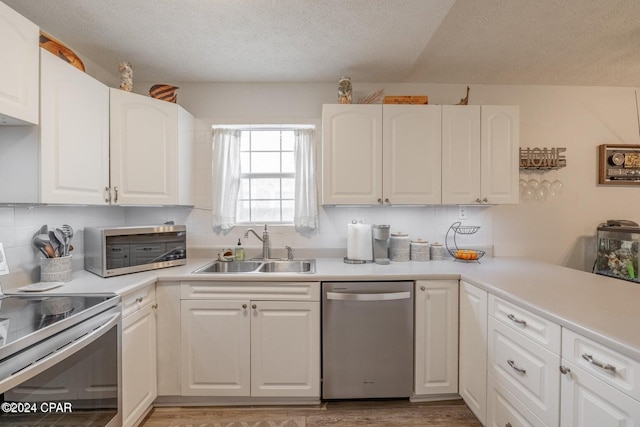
(560, 230)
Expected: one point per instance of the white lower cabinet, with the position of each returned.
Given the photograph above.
(436, 337)
(250, 347)
(590, 402)
(139, 388)
(505, 410)
(473, 349)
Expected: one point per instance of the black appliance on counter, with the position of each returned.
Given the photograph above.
(618, 250)
(60, 360)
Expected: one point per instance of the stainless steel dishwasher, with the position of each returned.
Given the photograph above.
(367, 340)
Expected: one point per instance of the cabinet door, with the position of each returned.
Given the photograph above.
(215, 348)
(436, 329)
(411, 154)
(589, 402)
(74, 135)
(473, 349)
(500, 154)
(144, 149)
(139, 388)
(461, 154)
(285, 349)
(19, 72)
(352, 154)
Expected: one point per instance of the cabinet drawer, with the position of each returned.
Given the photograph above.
(540, 330)
(527, 370)
(260, 291)
(608, 365)
(135, 300)
(504, 409)
(589, 402)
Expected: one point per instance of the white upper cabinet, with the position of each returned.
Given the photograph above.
(381, 154)
(74, 135)
(411, 136)
(147, 149)
(19, 41)
(352, 154)
(480, 154)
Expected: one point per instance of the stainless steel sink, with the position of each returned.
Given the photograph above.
(271, 266)
(229, 267)
(295, 266)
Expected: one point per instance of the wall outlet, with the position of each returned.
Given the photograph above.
(462, 212)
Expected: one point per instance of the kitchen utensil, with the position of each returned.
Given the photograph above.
(68, 231)
(64, 242)
(55, 242)
(49, 251)
(39, 244)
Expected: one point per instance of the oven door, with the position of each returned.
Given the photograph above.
(70, 378)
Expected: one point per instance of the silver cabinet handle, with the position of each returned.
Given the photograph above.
(485, 200)
(380, 201)
(589, 358)
(244, 306)
(478, 201)
(254, 306)
(115, 190)
(516, 320)
(107, 195)
(422, 288)
(564, 370)
(344, 296)
(155, 305)
(515, 368)
(139, 299)
(387, 201)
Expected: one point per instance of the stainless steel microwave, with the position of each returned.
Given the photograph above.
(112, 251)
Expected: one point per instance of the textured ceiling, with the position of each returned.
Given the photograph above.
(572, 42)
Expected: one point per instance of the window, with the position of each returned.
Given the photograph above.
(267, 179)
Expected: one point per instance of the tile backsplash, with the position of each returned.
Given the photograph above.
(18, 224)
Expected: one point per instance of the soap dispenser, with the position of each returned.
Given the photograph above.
(239, 252)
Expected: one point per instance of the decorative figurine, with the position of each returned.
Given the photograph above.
(126, 76)
(465, 100)
(344, 90)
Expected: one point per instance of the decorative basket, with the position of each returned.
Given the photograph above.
(466, 254)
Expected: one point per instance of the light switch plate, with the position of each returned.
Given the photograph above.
(4, 265)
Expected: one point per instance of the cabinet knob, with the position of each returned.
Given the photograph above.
(485, 200)
(564, 370)
(139, 299)
(422, 288)
(380, 201)
(155, 305)
(254, 306)
(387, 201)
(244, 306)
(508, 425)
(478, 200)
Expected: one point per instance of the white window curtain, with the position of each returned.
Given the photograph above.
(306, 195)
(226, 177)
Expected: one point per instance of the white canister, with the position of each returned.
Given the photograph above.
(399, 247)
(420, 250)
(438, 252)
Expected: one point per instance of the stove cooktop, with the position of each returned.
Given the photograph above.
(25, 320)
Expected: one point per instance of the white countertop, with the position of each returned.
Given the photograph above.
(604, 309)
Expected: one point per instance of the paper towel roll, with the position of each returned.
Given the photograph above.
(359, 243)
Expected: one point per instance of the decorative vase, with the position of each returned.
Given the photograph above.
(126, 76)
(344, 90)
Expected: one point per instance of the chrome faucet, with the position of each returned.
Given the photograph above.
(264, 239)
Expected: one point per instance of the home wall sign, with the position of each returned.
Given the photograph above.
(619, 164)
(542, 158)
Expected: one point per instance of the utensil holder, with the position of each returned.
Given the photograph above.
(55, 269)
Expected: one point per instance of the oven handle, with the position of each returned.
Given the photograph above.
(59, 355)
(388, 296)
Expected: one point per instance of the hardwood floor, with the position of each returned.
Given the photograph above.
(360, 413)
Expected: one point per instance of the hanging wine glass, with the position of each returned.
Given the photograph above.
(555, 189)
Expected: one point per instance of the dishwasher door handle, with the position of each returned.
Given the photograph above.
(390, 296)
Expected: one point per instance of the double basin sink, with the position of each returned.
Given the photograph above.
(307, 266)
